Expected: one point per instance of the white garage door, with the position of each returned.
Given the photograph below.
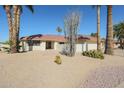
(92, 47)
(78, 47)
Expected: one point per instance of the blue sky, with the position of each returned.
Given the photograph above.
(46, 18)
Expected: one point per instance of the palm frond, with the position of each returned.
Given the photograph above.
(93, 6)
(7, 5)
(21, 9)
(30, 7)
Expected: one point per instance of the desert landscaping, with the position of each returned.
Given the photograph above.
(56, 47)
(38, 69)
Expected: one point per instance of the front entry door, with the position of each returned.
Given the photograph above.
(48, 45)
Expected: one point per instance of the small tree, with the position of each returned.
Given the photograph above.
(119, 33)
(93, 34)
(71, 25)
(58, 29)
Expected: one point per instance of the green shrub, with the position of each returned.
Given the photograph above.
(58, 60)
(93, 54)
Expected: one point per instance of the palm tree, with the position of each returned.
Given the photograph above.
(109, 35)
(18, 26)
(14, 24)
(14, 36)
(19, 12)
(98, 28)
(9, 17)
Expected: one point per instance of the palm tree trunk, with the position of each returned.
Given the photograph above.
(121, 43)
(109, 35)
(98, 28)
(9, 16)
(18, 27)
(14, 38)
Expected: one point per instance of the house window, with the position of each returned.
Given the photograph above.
(30, 43)
(36, 43)
(61, 43)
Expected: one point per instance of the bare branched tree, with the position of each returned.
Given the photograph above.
(71, 27)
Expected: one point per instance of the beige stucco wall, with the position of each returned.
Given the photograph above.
(41, 47)
(61, 47)
(79, 47)
(92, 46)
(56, 45)
(86, 46)
(26, 47)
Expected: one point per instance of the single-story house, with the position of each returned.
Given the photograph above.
(4, 47)
(56, 42)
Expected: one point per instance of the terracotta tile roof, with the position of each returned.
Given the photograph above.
(45, 38)
(56, 38)
(93, 39)
(87, 38)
